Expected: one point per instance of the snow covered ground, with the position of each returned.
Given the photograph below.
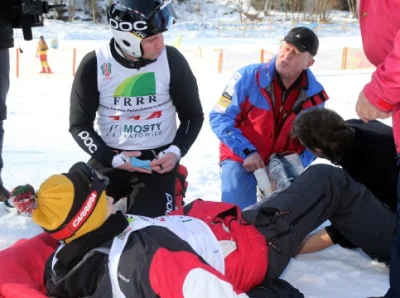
(37, 145)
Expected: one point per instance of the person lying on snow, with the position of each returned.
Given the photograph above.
(205, 249)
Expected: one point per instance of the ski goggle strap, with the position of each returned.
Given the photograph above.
(160, 19)
(124, 14)
(163, 17)
(68, 229)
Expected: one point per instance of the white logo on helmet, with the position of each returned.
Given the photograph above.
(86, 210)
(128, 26)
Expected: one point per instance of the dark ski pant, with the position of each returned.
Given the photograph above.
(394, 276)
(149, 195)
(394, 291)
(4, 86)
(322, 192)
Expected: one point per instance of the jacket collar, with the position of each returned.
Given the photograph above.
(267, 74)
(72, 253)
(117, 55)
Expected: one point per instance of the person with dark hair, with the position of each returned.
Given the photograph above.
(365, 150)
(324, 132)
(205, 249)
(125, 101)
(6, 42)
(254, 115)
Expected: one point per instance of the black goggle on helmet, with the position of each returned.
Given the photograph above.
(133, 20)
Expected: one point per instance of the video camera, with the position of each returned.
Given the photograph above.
(29, 13)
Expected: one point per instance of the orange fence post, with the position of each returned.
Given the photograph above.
(17, 62)
(345, 26)
(262, 55)
(318, 26)
(220, 59)
(344, 58)
(73, 61)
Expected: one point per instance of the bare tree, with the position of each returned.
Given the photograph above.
(267, 7)
(195, 6)
(71, 9)
(58, 13)
(93, 6)
(240, 7)
(352, 7)
(320, 9)
(297, 6)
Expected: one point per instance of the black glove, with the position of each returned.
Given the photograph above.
(278, 289)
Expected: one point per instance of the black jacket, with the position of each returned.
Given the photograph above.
(85, 102)
(6, 36)
(371, 161)
(6, 32)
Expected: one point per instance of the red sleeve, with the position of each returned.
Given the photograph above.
(182, 274)
(384, 89)
(22, 267)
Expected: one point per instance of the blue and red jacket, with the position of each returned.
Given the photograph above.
(246, 118)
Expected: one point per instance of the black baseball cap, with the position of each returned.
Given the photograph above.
(304, 39)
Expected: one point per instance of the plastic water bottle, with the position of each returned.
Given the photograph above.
(278, 173)
(263, 182)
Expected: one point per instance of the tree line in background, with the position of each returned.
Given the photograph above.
(93, 8)
(296, 10)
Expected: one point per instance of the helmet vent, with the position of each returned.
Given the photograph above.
(126, 43)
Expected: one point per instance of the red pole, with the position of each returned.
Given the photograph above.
(220, 60)
(344, 58)
(73, 61)
(17, 62)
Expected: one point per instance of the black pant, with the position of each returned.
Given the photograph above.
(394, 291)
(4, 86)
(321, 193)
(149, 195)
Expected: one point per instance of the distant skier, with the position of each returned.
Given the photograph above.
(41, 52)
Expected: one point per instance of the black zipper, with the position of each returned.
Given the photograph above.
(245, 116)
(293, 223)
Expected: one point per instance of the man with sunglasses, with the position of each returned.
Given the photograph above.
(254, 115)
(134, 87)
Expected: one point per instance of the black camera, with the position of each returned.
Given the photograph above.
(29, 13)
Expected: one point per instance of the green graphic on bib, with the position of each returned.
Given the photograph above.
(143, 84)
(130, 219)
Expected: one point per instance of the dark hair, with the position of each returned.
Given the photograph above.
(324, 129)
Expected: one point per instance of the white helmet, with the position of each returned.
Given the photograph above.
(133, 20)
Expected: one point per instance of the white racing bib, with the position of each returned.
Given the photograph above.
(194, 231)
(135, 109)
